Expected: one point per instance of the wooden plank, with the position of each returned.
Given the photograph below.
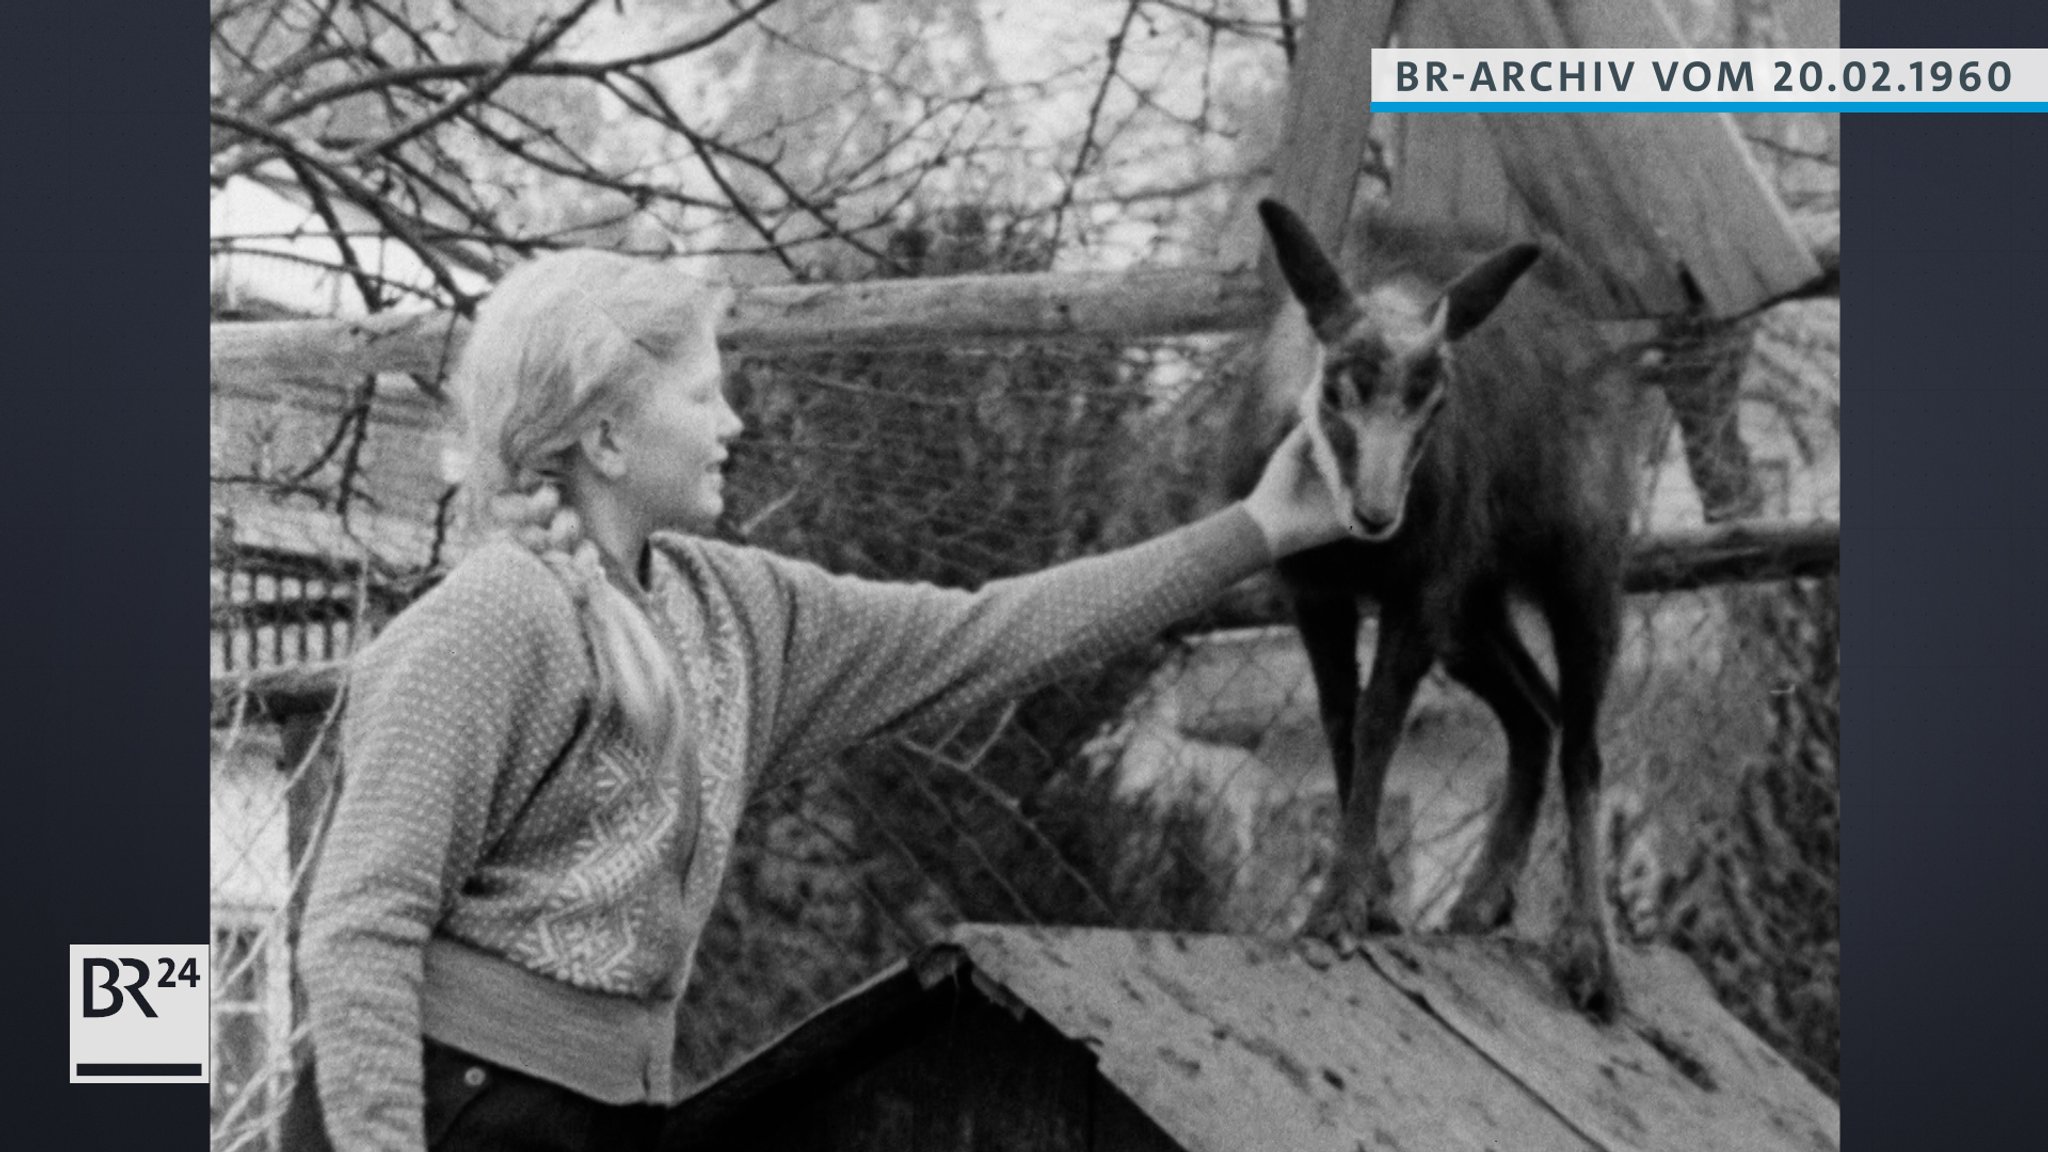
(1698, 186)
(1446, 168)
(1230, 1043)
(1738, 551)
(1640, 196)
(1677, 1074)
(892, 314)
(884, 313)
(1663, 562)
(1315, 171)
(1323, 142)
(1810, 23)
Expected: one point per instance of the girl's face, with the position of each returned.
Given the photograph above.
(674, 439)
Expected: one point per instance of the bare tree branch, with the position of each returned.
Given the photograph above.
(737, 21)
(373, 297)
(1087, 149)
(491, 82)
(313, 159)
(416, 74)
(660, 110)
(232, 245)
(428, 130)
(1263, 29)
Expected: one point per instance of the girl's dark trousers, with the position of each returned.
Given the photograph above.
(474, 1105)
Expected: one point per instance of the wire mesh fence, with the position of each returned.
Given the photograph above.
(1184, 785)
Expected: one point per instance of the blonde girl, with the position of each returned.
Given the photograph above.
(545, 757)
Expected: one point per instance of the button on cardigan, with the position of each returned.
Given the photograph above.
(502, 871)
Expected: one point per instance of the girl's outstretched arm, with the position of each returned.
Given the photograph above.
(864, 656)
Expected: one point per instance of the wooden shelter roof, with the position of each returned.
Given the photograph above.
(1230, 1043)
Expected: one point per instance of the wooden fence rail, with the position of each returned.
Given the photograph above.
(881, 313)
(1738, 552)
(1132, 305)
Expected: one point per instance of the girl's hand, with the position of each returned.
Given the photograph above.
(1292, 504)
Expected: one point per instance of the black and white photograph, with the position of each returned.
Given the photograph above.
(973, 575)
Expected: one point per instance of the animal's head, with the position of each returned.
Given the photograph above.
(1385, 366)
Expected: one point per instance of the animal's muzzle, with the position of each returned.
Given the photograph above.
(1374, 526)
(1383, 460)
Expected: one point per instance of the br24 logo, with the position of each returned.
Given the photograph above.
(110, 969)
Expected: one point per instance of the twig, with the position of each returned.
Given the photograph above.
(1116, 51)
(415, 74)
(491, 82)
(356, 192)
(372, 298)
(694, 44)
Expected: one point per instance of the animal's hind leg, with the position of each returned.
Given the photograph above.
(1353, 898)
(1586, 625)
(1496, 666)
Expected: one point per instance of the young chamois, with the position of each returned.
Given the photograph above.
(1479, 465)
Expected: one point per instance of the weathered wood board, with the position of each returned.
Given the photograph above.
(1663, 562)
(1010, 1036)
(1322, 148)
(1676, 1074)
(1639, 196)
(1232, 1043)
(882, 313)
(1810, 23)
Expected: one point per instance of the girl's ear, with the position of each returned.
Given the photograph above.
(600, 446)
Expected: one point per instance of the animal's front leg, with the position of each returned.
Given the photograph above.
(1329, 634)
(1494, 664)
(1354, 898)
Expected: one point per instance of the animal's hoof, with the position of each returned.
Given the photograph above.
(1480, 915)
(1599, 998)
(1344, 922)
(1585, 967)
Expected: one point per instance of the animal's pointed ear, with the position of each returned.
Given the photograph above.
(1311, 276)
(1473, 296)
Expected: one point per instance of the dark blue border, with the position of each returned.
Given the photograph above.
(103, 201)
(1945, 292)
(1944, 562)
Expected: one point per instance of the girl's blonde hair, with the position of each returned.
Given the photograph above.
(560, 343)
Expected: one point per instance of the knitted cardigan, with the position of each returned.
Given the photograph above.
(503, 873)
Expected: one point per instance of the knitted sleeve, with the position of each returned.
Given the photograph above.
(485, 672)
(863, 656)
